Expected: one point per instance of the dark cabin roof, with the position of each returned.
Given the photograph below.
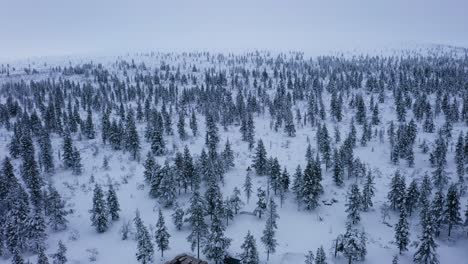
(186, 259)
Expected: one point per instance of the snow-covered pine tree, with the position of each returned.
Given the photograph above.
(437, 212)
(17, 259)
(36, 231)
(88, 128)
(412, 196)
(158, 146)
(113, 203)
(99, 212)
(297, 184)
(195, 218)
(452, 210)
(228, 156)
(55, 209)
(261, 203)
(189, 174)
(145, 250)
(228, 210)
(131, 139)
(460, 159)
(275, 175)
(368, 192)
(338, 168)
(310, 258)
(249, 253)
(397, 193)
(354, 204)
(162, 235)
(178, 217)
(250, 131)
(77, 166)
(45, 154)
(236, 201)
(402, 231)
(260, 159)
(60, 257)
(426, 251)
(42, 257)
(248, 185)
(312, 187)
(268, 238)
(181, 126)
(193, 124)
(320, 256)
(212, 136)
(354, 244)
(167, 191)
(217, 243)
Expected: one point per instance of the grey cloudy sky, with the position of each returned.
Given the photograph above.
(63, 27)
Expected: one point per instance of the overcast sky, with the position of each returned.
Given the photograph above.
(63, 27)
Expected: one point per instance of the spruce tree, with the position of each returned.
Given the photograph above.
(368, 192)
(460, 159)
(42, 257)
(412, 196)
(162, 235)
(17, 259)
(67, 155)
(452, 210)
(99, 212)
(249, 253)
(145, 250)
(181, 126)
(45, 153)
(338, 168)
(268, 238)
(402, 231)
(15, 228)
(167, 186)
(212, 136)
(320, 257)
(158, 146)
(310, 258)
(261, 203)
(60, 257)
(193, 124)
(178, 217)
(217, 243)
(437, 212)
(248, 185)
(77, 166)
(55, 209)
(113, 203)
(312, 187)
(397, 193)
(36, 229)
(354, 204)
(131, 139)
(426, 251)
(88, 129)
(196, 220)
(297, 184)
(236, 200)
(260, 159)
(250, 132)
(228, 156)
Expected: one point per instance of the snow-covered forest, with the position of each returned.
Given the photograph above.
(253, 157)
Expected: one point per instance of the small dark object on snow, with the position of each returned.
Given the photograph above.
(186, 259)
(231, 260)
